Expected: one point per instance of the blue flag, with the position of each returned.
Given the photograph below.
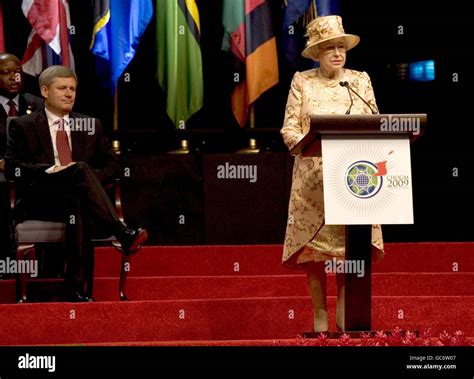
(294, 10)
(294, 42)
(327, 7)
(118, 27)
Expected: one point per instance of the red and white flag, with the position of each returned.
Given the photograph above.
(48, 43)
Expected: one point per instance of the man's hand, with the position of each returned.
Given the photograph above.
(2, 165)
(60, 168)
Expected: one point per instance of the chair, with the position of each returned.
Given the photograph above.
(33, 232)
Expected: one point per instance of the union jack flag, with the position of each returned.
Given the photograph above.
(49, 40)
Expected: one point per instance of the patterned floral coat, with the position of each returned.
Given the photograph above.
(311, 93)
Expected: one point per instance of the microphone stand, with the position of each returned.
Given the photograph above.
(346, 84)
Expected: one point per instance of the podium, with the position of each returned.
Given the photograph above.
(367, 181)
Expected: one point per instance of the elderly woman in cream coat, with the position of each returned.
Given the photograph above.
(308, 241)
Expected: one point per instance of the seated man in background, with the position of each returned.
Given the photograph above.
(62, 159)
(13, 103)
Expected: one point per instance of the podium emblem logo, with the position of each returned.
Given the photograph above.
(364, 179)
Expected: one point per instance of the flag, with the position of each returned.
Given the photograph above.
(49, 40)
(249, 36)
(179, 72)
(295, 9)
(327, 7)
(118, 28)
(293, 39)
(2, 36)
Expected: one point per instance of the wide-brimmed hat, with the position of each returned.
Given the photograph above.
(323, 29)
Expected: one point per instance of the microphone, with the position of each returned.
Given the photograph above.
(346, 84)
(349, 88)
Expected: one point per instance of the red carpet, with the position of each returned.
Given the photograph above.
(235, 295)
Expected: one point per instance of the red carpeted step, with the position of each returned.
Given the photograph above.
(227, 287)
(437, 313)
(199, 320)
(266, 260)
(196, 260)
(423, 284)
(237, 286)
(428, 257)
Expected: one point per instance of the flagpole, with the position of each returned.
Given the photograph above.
(116, 143)
(252, 148)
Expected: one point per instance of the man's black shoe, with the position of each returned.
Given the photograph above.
(131, 239)
(76, 297)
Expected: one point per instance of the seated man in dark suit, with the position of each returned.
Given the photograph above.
(12, 103)
(62, 159)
